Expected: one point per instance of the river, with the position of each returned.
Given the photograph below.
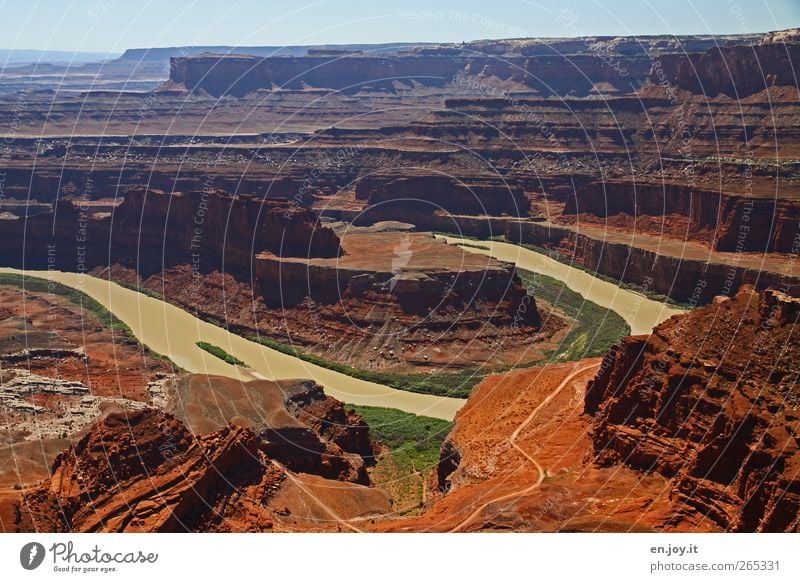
(639, 312)
(173, 332)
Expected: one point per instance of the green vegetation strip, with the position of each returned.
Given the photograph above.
(414, 440)
(556, 256)
(220, 353)
(457, 384)
(37, 285)
(140, 289)
(86, 303)
(595, 329)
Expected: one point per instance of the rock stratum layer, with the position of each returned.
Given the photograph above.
(151, 231)
(268, 266)
(666, 162)
(692, 143)
(694, 428)
(146, 471)
(560, 66)
(710, 400)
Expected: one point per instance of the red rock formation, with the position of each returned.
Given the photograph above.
(710, 400)
(152, 230)
(145, 471)
(395, 195)
(516, 461)
(238, 75)
(685, 271)
(216, 231)
(736, 71)
(394, 300)
(558, 66)
(301, 427)
(735, 223)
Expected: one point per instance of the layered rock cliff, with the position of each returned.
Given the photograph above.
(393, 300)
(268, 266)
(145, 471)
(152, 230)
(736, 71)
(729, 222)
(427, 194)
(299, 425)
(710, 400)
(549, 66)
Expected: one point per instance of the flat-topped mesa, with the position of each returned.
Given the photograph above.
(710, 400)
(239, 75)
(415, 272)
(152, 230)
(586, 68)
(481, 195)
(576, 66)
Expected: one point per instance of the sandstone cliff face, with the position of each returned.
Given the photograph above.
(734, 223)
(46, 183)
(142, 472)
(736, 71)
(217, 229)
(556, 67)
(152, 230)
(551, 73)
(238, 75)
(427, 194)
(711, 400)
(145, 471)
(299, 425)
(691, 275)
(393, 300)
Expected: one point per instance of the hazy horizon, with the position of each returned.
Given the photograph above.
(112, 26)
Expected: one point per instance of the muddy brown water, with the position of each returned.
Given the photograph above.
(173, 332)
(640, 313)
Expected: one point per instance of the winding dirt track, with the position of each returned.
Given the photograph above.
(173, 332)
(513, 442)
(299, 484)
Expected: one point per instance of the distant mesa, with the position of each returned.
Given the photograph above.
(741, 64)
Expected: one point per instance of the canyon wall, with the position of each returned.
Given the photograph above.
(709, 400)
(736, 223)
(146, 471)
(44, 183)
(734, 65)
(736, 71)
(239, 75)
(267, 266)
(477, 195)
(151, 231)
(681, 276)
(495, 290)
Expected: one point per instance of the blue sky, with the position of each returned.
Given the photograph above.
(114, 25)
